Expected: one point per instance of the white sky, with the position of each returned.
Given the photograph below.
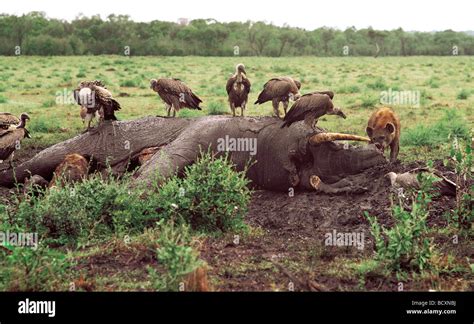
(428, 15)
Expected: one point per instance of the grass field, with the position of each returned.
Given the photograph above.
(33, 85)
(103, 259)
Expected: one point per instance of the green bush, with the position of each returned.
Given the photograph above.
(406, 245)
(176, 254)
(27, 269)
(3, 99)
(463, 94)
(463, 215)
(76, 213)
(211, 196)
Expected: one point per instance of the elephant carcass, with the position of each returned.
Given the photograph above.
(277, 158)
(274, 158)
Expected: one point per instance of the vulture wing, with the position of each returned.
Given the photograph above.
(276, 88)
(311, 103)
(104, 98)
(174, 91)
(7, 119)
(230, 84)
(9, 140)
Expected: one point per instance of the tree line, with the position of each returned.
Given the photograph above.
(36, 34)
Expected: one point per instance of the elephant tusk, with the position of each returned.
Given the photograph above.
(329, 137)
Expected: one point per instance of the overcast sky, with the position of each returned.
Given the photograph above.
(309, 14)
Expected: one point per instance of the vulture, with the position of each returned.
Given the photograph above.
(95, 101)
(238, 88)
(175, 94)
(12, 131)
(280, 90)
(310, 107)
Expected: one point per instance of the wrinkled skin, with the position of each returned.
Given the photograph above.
(284, 157)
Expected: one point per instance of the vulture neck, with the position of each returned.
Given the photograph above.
(240, 76)
(22, 123)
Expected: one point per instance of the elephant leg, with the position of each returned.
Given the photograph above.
(171, 159)
(341, 187)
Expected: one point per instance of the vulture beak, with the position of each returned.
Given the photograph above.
(339, 112)
(329, 137)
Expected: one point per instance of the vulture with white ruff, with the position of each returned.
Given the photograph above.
(280, 90)
(97, 100)
(238, 88)
(176, 94)
(11, 134)
(310, 107)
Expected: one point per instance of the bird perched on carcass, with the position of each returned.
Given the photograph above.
(238, 88)
(278, 90)
(310, 107)
(176, 94)
(97, 100)
(12, 132)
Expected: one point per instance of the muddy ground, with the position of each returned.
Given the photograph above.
(285, 249)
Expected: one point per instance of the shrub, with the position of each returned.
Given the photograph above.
(3, 99)
(211, 196)
(27, 269)
(463, 215)
(463, 94)
(176, 254)
(77, 212)
(406, 244)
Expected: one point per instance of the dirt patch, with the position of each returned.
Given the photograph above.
(290, 252)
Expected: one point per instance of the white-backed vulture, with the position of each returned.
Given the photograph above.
(280, 90)
(97, 100)
(310, 107)
(238, 88)
(175, 94)
(11, 136)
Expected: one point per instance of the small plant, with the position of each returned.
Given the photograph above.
(176, 254)
(406, 244)
(216, 108)
(461, 155)
(463, 94)
(3, 99)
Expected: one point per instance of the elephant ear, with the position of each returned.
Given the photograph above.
(369, 131)
(390, 128)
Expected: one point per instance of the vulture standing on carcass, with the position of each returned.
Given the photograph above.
(93, 96)
(310, 107)
(12, 131)
(238, 88)
(175, 94)
(280, 90)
